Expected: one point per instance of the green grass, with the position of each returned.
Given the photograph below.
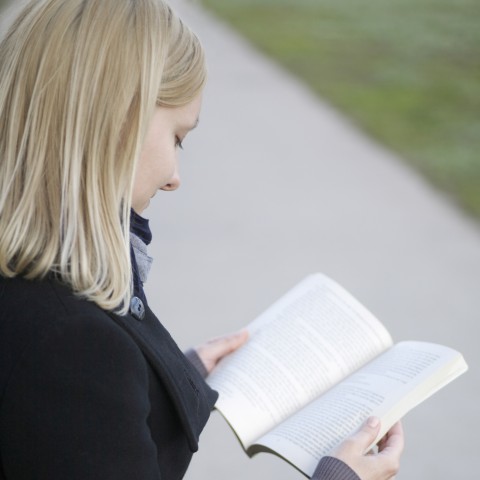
(406, 71)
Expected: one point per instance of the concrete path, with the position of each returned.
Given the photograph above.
(277, 185)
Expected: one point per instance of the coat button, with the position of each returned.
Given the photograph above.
(137, 309)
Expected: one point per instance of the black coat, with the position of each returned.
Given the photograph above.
(86, 394)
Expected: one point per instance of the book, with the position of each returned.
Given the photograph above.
(316, 366)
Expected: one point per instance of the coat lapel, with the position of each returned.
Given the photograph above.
(191, 396)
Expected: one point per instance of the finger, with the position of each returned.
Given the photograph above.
(394, 441)
(219, 347)
(366, 435)
(381, 443)
(232, 342)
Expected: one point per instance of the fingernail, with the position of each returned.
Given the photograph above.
(373, 422)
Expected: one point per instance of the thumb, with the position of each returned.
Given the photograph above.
(366, 435)
(221, 346)
(232, 342)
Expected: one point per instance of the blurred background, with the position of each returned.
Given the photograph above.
(406, 71)
(339, 137)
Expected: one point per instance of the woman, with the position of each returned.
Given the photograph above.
(95, 98)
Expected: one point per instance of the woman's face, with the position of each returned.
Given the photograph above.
(157, 168)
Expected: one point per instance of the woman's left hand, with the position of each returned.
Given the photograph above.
(214, 350)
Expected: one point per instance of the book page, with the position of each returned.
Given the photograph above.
(387, 387)
(306, 342)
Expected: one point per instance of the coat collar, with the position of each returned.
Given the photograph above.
(192, 397)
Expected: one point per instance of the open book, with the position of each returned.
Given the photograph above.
(317, 365)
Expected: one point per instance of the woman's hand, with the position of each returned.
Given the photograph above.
(373, 466)
(214, 350)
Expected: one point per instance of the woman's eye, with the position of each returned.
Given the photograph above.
(178, 143)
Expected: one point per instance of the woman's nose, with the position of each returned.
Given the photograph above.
(173, 183)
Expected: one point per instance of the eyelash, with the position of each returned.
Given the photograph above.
(178, 143)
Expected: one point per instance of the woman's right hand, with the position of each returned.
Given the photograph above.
(383, 465)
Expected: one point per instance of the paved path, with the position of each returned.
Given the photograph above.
(276, 185)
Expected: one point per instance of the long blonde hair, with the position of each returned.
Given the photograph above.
(79, 81)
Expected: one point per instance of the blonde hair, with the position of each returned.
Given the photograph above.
(79, 81)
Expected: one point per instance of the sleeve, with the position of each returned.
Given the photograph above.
(331, 468)
(195, 360)
(76, 407)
